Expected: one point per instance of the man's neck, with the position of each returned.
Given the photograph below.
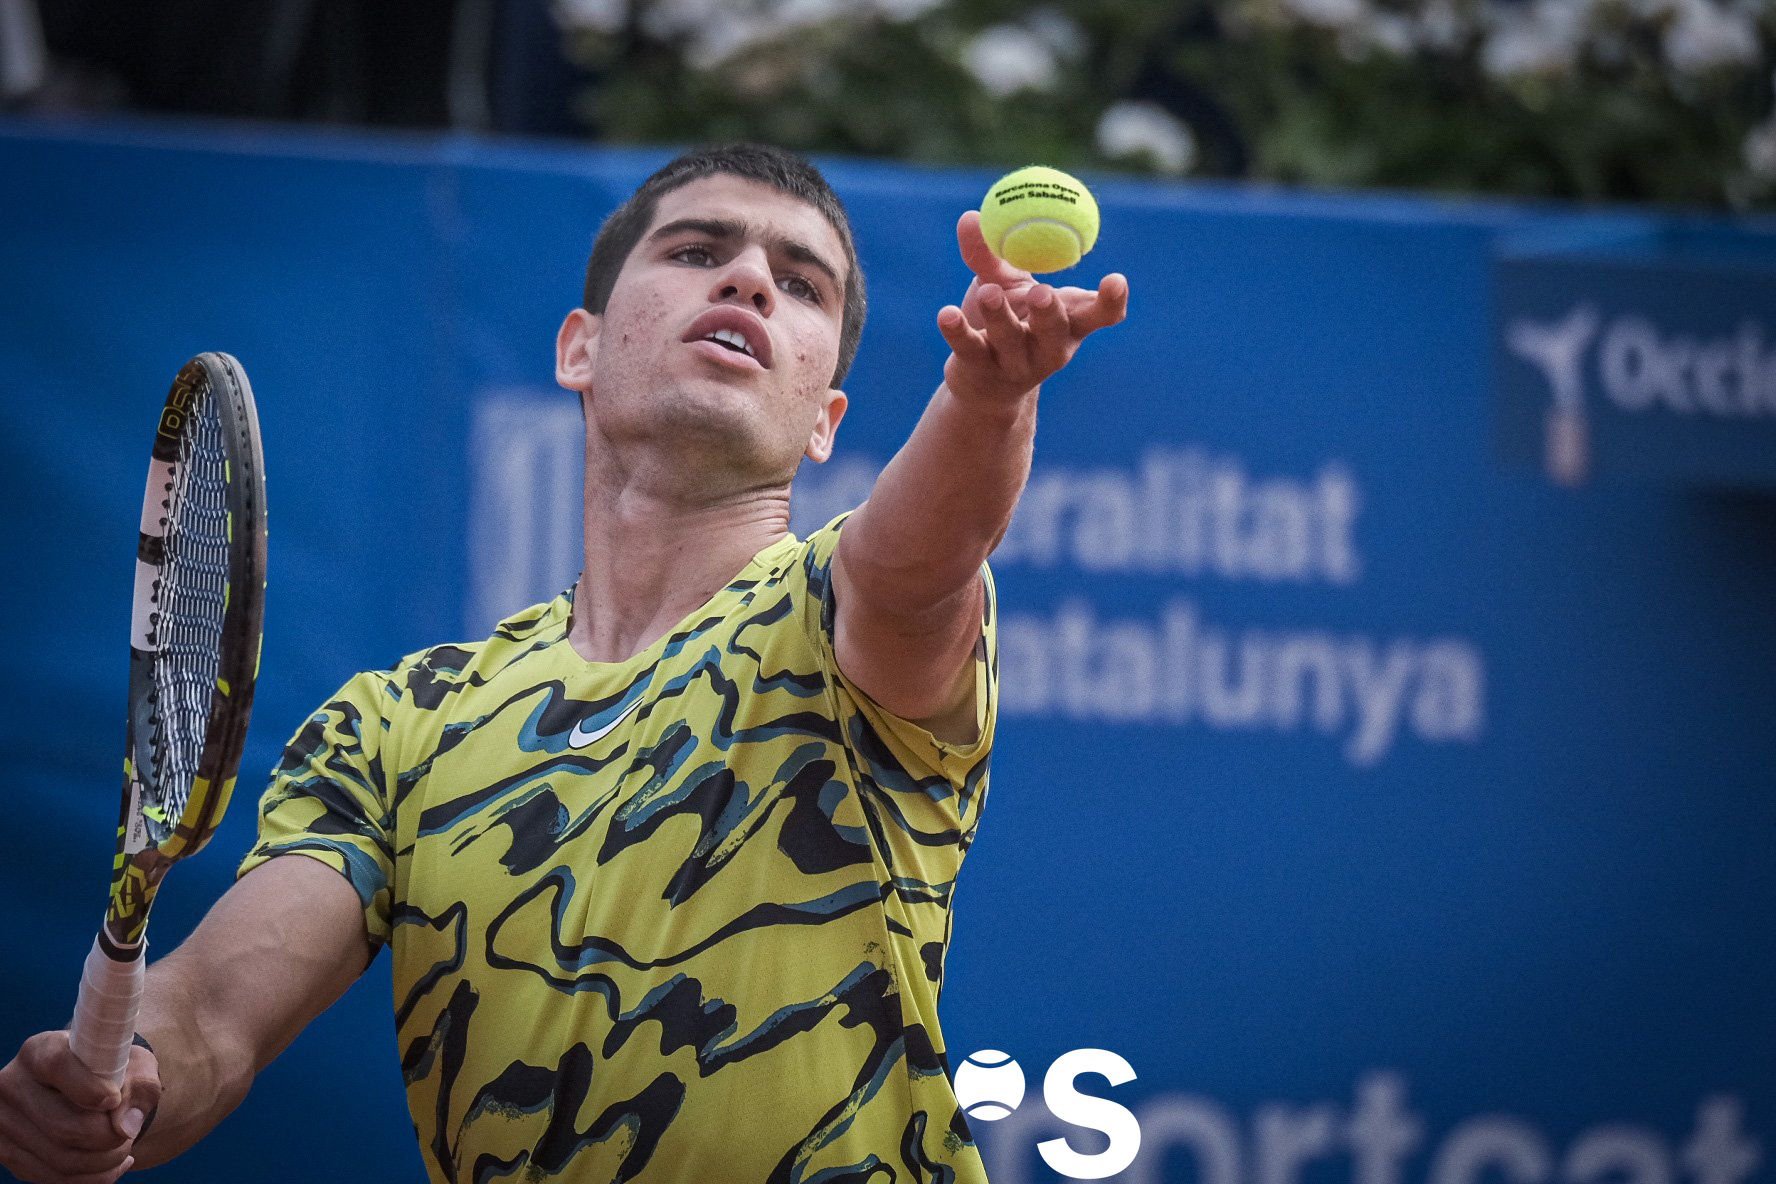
(652, 556)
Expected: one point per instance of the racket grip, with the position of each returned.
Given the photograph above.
(104, 1024)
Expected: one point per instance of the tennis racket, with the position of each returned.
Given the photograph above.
(194, 653)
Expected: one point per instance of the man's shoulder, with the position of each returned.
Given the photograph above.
(815, 554)
(826, 537)
(425, 677)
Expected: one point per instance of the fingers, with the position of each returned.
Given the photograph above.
(53, 1124)
(141, 1094)
(50, 1060)
(980, 258)
(1005, 332)
(971, 304)
(1011, 341)
(1101, 309)
(965, 342)
(1087, 310)
(63, 1167)
(1038, 332)
(48, 1129)
(1051, 329)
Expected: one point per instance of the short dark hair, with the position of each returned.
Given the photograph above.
(768, 165)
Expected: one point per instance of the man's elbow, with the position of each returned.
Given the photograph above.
(917, 664)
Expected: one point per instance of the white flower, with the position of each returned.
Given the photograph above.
(797, 14)
(1392, 32)
(1760, 151)
(1387, 31)
(1570, 21)
(1514, 53)
(1009, 58)
(905, 10)
(1443, 25)
(1136, 129)
(1060, 31)
(1545, 40)
(1706, 37)
(671, 18)
(602, 16)
(716, 30)
(1332, 14)
(714, 43)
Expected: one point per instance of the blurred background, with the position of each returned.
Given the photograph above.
(1635, 100)
(1386, 767)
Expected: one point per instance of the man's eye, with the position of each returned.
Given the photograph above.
(797, 286)
(701, 252)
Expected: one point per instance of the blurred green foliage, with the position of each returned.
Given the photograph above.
(1660, 101)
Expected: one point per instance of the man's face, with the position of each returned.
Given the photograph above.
(722, 330)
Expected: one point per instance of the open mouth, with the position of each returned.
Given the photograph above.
(730, 334)
(732, 340)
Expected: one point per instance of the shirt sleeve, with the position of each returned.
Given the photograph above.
(894, 752)
(328, 798)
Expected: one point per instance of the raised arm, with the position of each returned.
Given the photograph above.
(279, 947)
(906, 575)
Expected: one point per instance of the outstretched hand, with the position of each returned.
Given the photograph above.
(1011, 332)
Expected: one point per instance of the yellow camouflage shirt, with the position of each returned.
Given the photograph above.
(677, 918)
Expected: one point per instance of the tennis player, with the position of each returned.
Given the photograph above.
(665, 864)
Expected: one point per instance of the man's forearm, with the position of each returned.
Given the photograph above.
(944, 501)
(282, 944)
(204, 1073)
(909, 596)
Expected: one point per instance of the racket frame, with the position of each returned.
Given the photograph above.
(111, 982)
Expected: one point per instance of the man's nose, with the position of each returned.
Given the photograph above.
(748, 278)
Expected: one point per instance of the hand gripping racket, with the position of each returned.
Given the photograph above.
(194, 653)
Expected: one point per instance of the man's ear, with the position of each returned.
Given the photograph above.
(575, 347)
(826, 428)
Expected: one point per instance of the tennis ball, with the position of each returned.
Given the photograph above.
(1039, 219)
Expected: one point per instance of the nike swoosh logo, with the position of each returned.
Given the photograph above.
(581, 737)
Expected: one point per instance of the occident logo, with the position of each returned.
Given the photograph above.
(990, 1085)
(1731, 375)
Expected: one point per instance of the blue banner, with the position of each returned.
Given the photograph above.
(1393, 816)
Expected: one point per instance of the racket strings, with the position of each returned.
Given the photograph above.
(192, 603)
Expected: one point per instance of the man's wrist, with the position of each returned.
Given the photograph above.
(997, 410)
